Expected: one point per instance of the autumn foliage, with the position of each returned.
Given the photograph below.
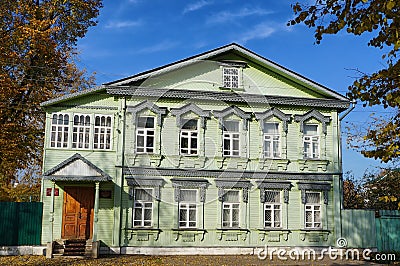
(381, 20)
(37, 62)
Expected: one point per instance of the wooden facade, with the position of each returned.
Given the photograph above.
(225, 150)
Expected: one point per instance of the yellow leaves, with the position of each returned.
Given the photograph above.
(388, 199)
(390, 5)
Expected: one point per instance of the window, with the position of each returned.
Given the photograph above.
(143, 207)
(189, 137)
(188, 208)
(231, 138)
(313, 210)
(271, 140)
(102, 132)
(272, 209)
(81, 132)
(231, 77)
(311, 141)
(145, 135)
(59, 131)
(230, 209)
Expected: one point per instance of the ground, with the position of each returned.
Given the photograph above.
(170, 260)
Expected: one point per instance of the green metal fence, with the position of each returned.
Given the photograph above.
(20, 223)
(388, 231)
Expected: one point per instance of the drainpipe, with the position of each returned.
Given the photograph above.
(122, 168)
(341, 117)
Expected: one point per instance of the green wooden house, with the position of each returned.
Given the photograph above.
(218, 153)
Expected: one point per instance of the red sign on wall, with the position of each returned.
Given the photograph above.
(48, 191)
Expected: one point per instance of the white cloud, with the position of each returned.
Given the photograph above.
(196, 6)
(122, 24)
(161, 46)
(260, 31)
(227, 16)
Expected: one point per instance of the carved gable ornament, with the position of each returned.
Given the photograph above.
(229, 111)
(312, 114)
(274, 112)
(134, 110)
(76, 168)
(179, 112)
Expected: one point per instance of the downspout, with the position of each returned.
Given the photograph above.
(122, 168)
(341, 117)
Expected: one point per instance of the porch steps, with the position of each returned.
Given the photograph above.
(73, 248)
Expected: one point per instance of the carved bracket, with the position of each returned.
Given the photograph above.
(223, 184)
(199, 183)
(264, 185)
(324, 187)
(312, 114)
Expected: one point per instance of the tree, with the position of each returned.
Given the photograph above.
(382, 19)
(376, 190)
(37, 62)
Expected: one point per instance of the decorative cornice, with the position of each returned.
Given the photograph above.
(312, 114)
(190, 107)
(232, 110)
(90, 107)
(324, 187)
(146, 105)
(228, 174)
(101, 178)
(228, 97)
(285, 118)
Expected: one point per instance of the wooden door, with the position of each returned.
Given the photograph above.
(77, 213)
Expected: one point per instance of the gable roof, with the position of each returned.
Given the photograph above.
(233, 47)
(124, 86)
(76, 168)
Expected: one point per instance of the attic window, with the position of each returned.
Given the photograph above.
(231, 74)
(231, 77)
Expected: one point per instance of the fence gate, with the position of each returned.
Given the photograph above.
(388, 230)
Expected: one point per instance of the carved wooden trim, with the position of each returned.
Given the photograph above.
(324, 187)
(285, 118)
(180, 183)
(179, 112)
(312, 114)
(231, 110)
(265, 185)
(223, 184)
(134, 110)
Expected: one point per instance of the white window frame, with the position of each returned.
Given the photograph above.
(192, 135)
(313, 208)
(309, 141)
(231, 207)
(272, 139)
(102, 134)
(231, 137)
(59, 132)
(145, 133)
(273, 207)
(82, 130)
(144, 206)
(228, 76)
(188, 206)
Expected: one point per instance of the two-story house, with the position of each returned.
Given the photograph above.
(221, 152)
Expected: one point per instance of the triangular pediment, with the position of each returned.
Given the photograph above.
(76, 168)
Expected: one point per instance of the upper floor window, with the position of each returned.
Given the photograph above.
(313, 210)
(272, 141)
(231, 209)
(102, 132)
(59, 130)
(145, 135)
(188, 208)
(189, 137)
(143, 207)
(311, 141)
(81, 132)
(272, 209)
(230, 77)
(231, 138)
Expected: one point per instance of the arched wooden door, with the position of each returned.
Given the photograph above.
(77, 219)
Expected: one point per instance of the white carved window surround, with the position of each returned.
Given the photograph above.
(191, 119)
(314, 127)
(147, 120)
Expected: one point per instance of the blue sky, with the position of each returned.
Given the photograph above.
(137, 35)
